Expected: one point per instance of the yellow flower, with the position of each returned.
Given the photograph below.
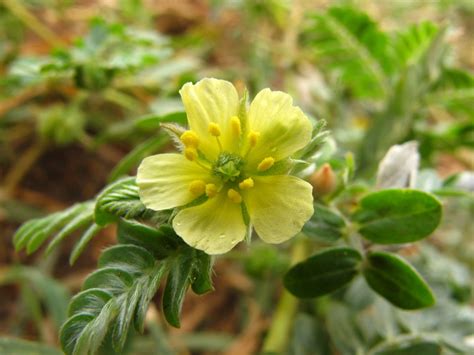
(233, 163)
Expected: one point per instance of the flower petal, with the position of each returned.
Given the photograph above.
(164, 180)
(279, 206)
(211, 100)
(215, 226)
(283, 128)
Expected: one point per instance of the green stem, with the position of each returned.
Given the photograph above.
(16, 8)
(278, 335)
(123, 99)
(21, 168)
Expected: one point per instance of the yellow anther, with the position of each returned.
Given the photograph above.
(253, 137)
(234, 196)
(190, 153)
(235, 124)
(246, 184)
(214, 129)
(266, 164)
(190, 139)
(211, 190)
(197, 187)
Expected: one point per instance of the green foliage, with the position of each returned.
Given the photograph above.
(401, 73)
(33, 234)
(95, 60)
(397, 281)
(46, 290)
(410, 346)
(201, 275)
(355, 47)
(61, 124)
(392, 80)
(398, 216)
(188, 266)
(263, 261)
(410, 44)
(117, 294)
(325, 224)
(161, 242)
(308, 337)
(178, 281)
(14, 346)
(454, 90)
(323, 273)
(119, 199)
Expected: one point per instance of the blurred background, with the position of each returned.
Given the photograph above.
(80, 84)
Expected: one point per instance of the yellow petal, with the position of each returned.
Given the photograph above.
(278, 206)
(164, 180)
(283, 128)
(215, 226)
(211, 101)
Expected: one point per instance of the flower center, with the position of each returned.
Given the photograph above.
(228, 166)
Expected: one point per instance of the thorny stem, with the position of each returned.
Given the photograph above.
(16, 8)
(280, 329)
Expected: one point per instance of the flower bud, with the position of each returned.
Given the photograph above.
(324, 181)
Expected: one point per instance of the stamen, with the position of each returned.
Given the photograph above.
(191, 153)
(190, 139)
(246, 184)
(266, 164)
(235, 125)
(197, 187)
(253, 137)
(234, 196)
(214, 129)
(211, 190)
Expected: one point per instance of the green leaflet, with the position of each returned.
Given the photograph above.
(83, 241)
(398, 216)
(179, 279)
(15, 346)
(323, 273)
(411, 346)
(44, 288)
(189, 267)
(32, 234)
(353, 45)
(119, 199)
(161, 242)
(454, 90)
(411, 44)
(325, 224)
(397, 281)
(202, 272)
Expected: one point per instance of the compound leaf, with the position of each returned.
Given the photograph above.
(113, 297)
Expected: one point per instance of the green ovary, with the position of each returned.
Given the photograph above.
(228, 167)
